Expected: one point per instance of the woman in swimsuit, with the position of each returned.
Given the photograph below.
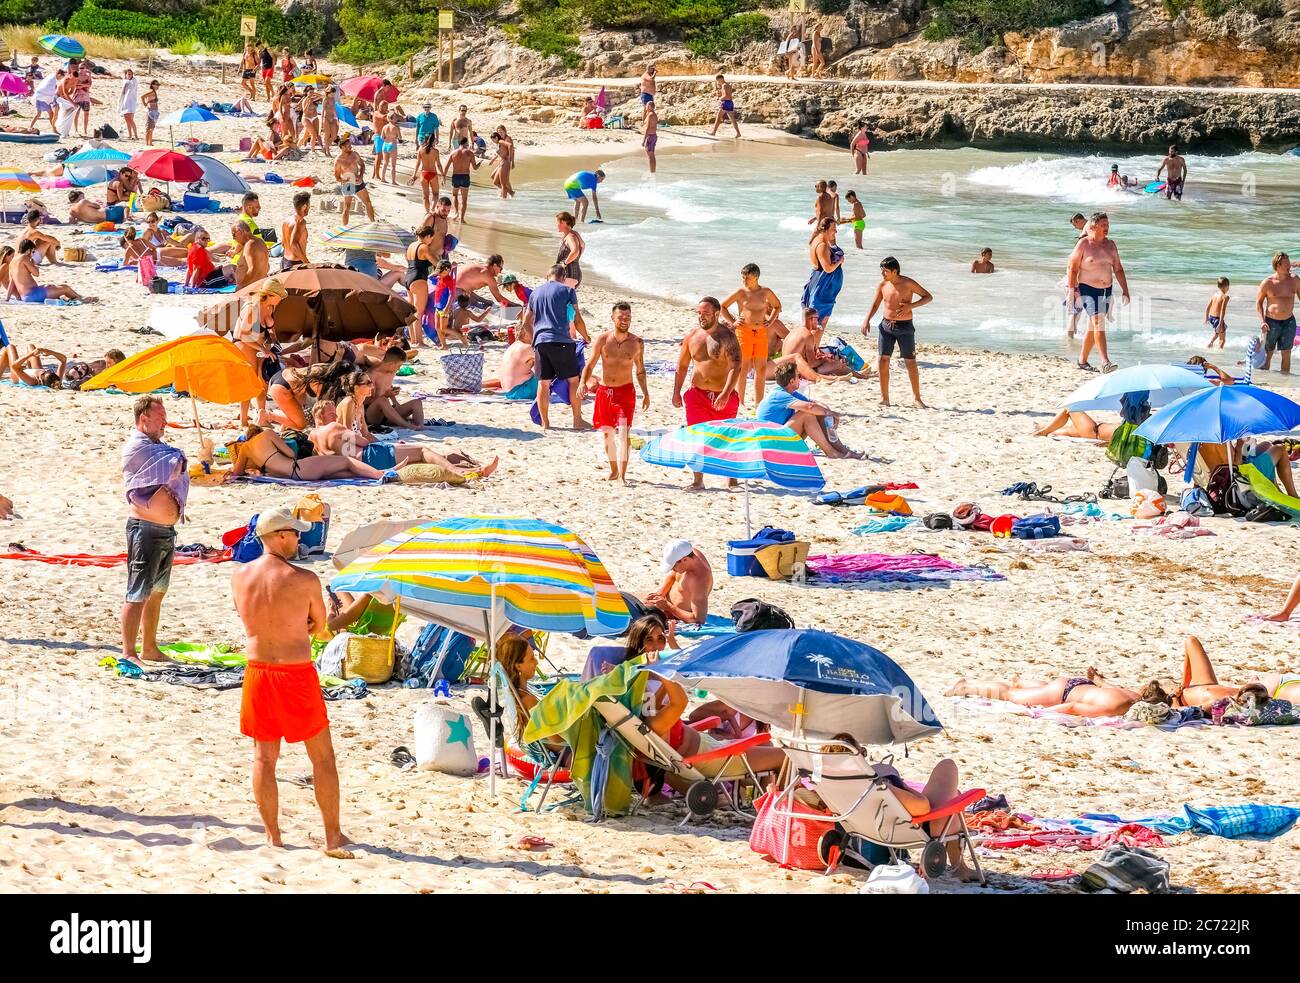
(861, 147)
(355, 437)
(420, 257)
(151, 113)
(288, 132)
(1080, 425)
(504, 162)
(1080, 696)
(1201, 687)
(827, 276)
(252, 338)
(265, 451)
(428, 164)
(288, 67)
(166, 251)
(571, 248)
(311, 136)
(308, 63)
(329, 127)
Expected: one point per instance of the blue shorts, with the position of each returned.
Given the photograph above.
(1214, 322)
(728, 106)
(647, 98)
(1095, 301)
(575, 194)
(36, 295)
(525, 390)
(381, 457)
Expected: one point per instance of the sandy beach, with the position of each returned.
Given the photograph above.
(108, 784)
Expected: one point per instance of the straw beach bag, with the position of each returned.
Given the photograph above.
(781, 560)
(370, 657)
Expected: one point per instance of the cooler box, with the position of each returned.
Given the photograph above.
(196, 203)
(742, 554)
(312, 542)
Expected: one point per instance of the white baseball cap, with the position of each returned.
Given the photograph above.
(278, 520)
(675, 552)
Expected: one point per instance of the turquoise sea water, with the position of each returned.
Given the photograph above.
(686, 232)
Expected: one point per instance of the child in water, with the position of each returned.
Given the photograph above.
(858, 218)
(1216, 313)
(985, 263)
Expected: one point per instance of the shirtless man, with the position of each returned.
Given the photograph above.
(1094, 266)
(282, 609)
(711, 354)
(350, 171)
(82, 209)
(391, 135)
(648, 84)
(900, 296)
(1275, 302)
(293, 233)
(248, 71)
(1174, 168)
(758, 316)
(619, 354)
(384, 406)
(254, 261)
(516, 379)
(823, 205)
(684, 594)
(461, 128)
(475, 276)
(726, 105)
(439, 219)
(459, 163)
(650, 139)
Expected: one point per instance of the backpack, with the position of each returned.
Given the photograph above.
(1194, 501)
(439, 653)
(1239, 499)
(1216, 489)
(1036, 527)
(938, 520)
(158, 285)
(751, 614)
(105, 132)
(1116, 487)
(249, 547)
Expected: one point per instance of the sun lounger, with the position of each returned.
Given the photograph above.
(715, 770)
(1268, 491)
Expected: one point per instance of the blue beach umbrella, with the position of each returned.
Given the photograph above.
(1220, 415)
(99, 155)
(346, 115)
(64, 46)
(190, 114)
(809, 682)
(1162, 383)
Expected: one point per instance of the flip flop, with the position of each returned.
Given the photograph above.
(532, 843)
(402, 758)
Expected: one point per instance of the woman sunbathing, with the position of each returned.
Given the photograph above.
(264, 451)
(1080, 696)
(354, 433)
(47, 247)
(1080, 424)
(1201, 687)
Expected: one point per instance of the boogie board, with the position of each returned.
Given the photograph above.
(1154, 187)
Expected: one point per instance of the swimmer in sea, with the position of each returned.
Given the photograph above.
(726, 106)
(858, 217)
(651, 137)
(985, 263)
(1216, 313)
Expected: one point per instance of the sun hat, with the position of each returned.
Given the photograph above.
(279, 520)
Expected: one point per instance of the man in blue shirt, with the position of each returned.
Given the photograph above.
(551, 308)
(809, 419)
(427, 123)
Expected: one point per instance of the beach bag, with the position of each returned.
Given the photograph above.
(1147, 504)
(1194, 501)
(937, 520)
(791, 841)
(780, 560)
(370, 657)
(105, 132)
(1116, 487)
(248, 547)
(1125, 444)
(1216, 489)
(1239, 499)
(1036, 527)
(438, 653)
(751, 614)
(444, 739)
(899, 878)
(158, 285)
(464, 371)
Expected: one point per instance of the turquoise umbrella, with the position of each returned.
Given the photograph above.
(61, 44)
(99, 155)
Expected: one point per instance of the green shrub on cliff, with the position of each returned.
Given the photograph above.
(379, 30)
(215, 25)
(730, 35)
(981, 23)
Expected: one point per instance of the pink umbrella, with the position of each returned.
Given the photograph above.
(362, 87)
(13, 85)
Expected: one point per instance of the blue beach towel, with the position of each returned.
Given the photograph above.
(1232, 822)
(886, 523)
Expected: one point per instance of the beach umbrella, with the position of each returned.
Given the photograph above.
(190, 114)
(325, 301)
(746, 450)
(476, 574)
(13, 85)
(166, 165)
(14, 180)
(64, 46)
(1162, 383)
(314, 79)
(1220, 415)
(346, 115)
(370, 237)
(205, 366)
(98, 155)
(814, 684)
(362, 87)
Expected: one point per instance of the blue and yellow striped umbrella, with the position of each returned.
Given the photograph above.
(542, 576)
(64, 46)
(370, 237)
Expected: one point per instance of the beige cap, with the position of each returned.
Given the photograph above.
(278, 520)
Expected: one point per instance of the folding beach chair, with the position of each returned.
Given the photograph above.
(865, 807)
(1268, 492)
(713, 773)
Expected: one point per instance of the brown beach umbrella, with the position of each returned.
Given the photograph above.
(327, 302)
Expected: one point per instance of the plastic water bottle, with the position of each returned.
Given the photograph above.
(412, 684)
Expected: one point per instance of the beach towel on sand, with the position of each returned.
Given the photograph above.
(567, 711)
(911, 568)
(1232, 822)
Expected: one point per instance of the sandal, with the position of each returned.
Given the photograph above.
(402, 758)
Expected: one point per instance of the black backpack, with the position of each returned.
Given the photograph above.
(1238, 498)
(751, 614)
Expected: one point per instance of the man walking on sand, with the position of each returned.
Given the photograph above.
(157, 481)
(901, 295)
(620, 354)
(1275, 302)
(726, 105)
(554, 345)
(711, 354)
(282, 609)
(1094, 266)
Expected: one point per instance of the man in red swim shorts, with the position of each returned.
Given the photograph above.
(711, 354)
(619, 353)
(281, 607)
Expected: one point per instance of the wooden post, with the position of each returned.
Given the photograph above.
(223, 73)
(451, 57)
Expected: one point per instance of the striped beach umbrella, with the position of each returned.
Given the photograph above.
(64, 46)
(476, 573)
(14, 180)
(370, 237)
(746, 450)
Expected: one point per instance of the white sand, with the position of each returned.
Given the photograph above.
(106, 783)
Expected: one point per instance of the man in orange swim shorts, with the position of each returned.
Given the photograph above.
(619, 354)
(281, 607)
(757, 319)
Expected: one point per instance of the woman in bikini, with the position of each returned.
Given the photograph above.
(329, 118)
(311, 135)
(264, 451)
(354, 436)
(419, 264)
(252, 338)
(151, 112)
(504, 162)
(428, 164)
(1201, 687)
(1076, 423)
(861, 147)
(1081, 696)
(167, 251)
(571, 248)
(288, 131)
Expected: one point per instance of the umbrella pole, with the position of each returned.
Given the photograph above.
(749, 529)
(492, 692)
(194, 405)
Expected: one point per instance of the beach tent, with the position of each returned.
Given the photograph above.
(219, 177)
